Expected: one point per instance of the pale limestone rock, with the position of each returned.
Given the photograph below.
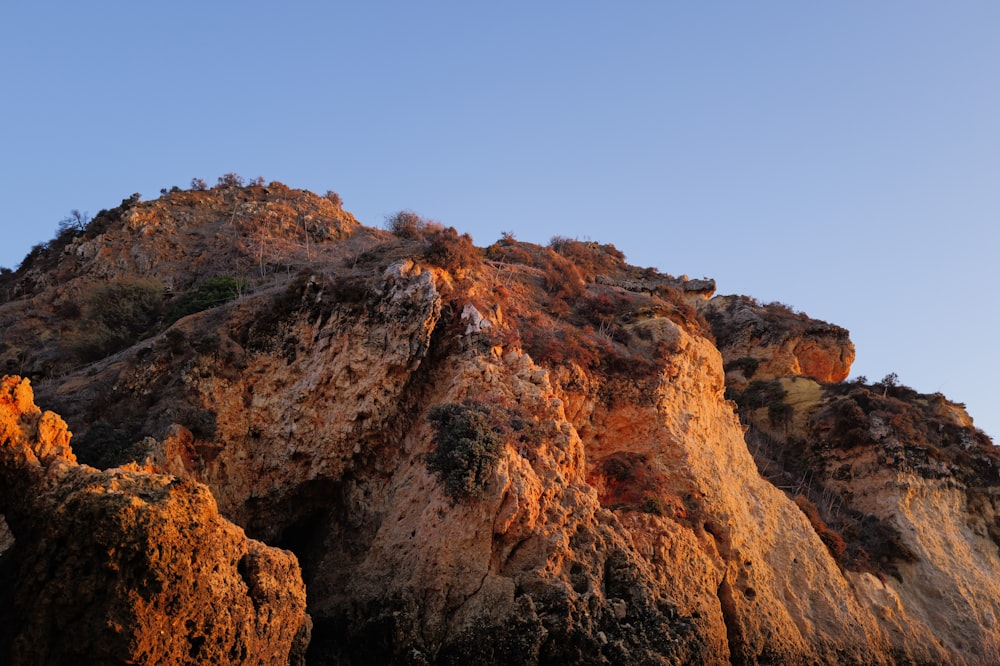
(477, 322)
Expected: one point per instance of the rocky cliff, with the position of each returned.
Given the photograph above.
(128, 566)
(521, 454)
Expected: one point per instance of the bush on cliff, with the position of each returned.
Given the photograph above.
(452, 251)
(117, 314)
(467, 445)
(408, 225)
(209, 294)
(833, 541)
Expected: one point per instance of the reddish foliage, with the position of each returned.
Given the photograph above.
(833, 541)
(451, 251)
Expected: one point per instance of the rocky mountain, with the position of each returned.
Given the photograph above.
(516, 454)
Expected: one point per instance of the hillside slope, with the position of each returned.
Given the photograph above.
(517, 454)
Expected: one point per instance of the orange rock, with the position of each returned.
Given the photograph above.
(125, 566)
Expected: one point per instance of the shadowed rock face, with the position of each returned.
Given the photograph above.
(127, 566)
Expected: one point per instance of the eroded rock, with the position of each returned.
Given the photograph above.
(770, 341)
(127, 566)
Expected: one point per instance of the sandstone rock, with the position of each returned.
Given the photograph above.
(477, 322)
(911, 486)
(777, 342)
(702, 288)
(626, 519)
(125, 566)
(539, 570)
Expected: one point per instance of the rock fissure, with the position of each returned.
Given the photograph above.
(734, 632)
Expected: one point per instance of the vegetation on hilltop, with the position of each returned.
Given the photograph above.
(565, 315)
(107, 282)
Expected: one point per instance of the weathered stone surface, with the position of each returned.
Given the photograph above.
(126, 566)
(626, 520)
(703, 287)
(781, 343)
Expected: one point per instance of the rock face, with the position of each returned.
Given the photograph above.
(600, 498)
(539, 568)
(776, 342)
(703, 288)
(125, 566)
(903, 492)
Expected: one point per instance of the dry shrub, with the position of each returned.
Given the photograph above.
(603, 308)
(451, 251)
(562, 277)
(833, 541)
(510, 251)
(589, 258)
(560, 344)
(231, 180)
(334, 198)
(408, 225)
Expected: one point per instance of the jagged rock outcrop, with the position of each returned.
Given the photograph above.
(770, 341)
(703, 287)
(539, 569)
(607, 501)
(127, 566)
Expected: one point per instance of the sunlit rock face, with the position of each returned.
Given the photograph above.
(769, 341)
(128, 566)
(629, 473)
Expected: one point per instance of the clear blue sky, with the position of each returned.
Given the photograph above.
(842, 157)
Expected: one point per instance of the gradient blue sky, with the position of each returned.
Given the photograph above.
(841, 157)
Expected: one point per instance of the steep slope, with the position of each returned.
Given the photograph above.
(899, 484)
(527, 454)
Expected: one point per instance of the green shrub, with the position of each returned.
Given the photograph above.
(117, 314)
(760, 393)
(652, 505)
(467, 446)
(128, 306)
(779, 413)
(106, 445)
(209, 294)
(621, 469)
(747, 365)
